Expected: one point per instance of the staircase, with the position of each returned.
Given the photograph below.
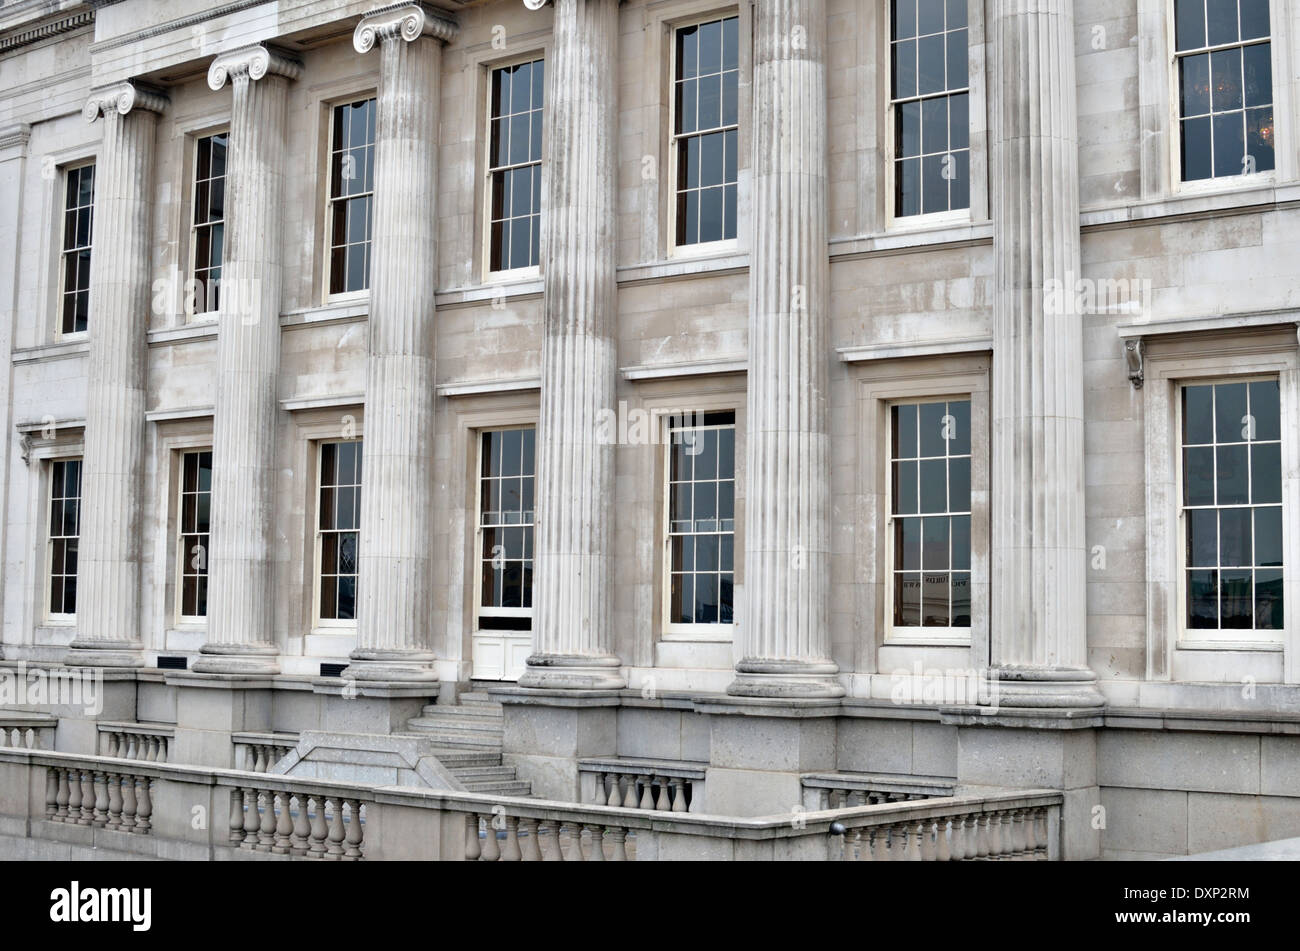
(468, 744)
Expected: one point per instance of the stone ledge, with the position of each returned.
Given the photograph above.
(1025, 718)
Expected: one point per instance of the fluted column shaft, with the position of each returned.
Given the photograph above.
(395, 562)
(108, 566)
(784, 627)
(1038, 638)
(241, 588)
(575, 471)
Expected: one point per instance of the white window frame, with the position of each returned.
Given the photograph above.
(53, 618)
(180, 618)
(329, 624)
(478, 608)
(696, 632)
(725, 245)
(62, 211)
(1169, 364)
(330, 200)
(902, 635)
(975, 99)
(1223, 182)
(1229, 639)
(490, 276)
(201, 316)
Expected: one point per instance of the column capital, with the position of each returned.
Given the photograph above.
(409, 21)
(254, 62)
(123, 97)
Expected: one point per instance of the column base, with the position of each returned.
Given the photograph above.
(1020, 686)
(785, 679)
(259, 658)
(573, 672)
(391, 666)
(104, 652)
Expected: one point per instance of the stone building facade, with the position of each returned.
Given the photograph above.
(897, 387)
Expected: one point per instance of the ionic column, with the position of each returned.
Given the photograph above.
(108, 566)
(241, 570)
(784, 628)
(1038, 625)
(396, 565)
(575, 471)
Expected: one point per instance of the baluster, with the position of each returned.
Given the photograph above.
(112, 816)
(530, 848)
(615, 799)
(151, 749)
(679, 795)
(87, 798)
(942, 841)
(318, 830)
(929, 843)
(958, 841)
(473, 849)
(334, 848)
(74, 796)
(132, 746)
(857, 797)
(1037, 838)
(129, 804)
(100, 816)
(352, 842)
(109, 742)
(850, 844)
(144, 807)
(283, 825)
(647, 795)
(574, 832)
(491, 844)
(236, 816)
(548, 832)
(664, 802)
(4, 737)
(510, 851)
(996, 844)
(301, 826)
(880, 844)
(266, 820)
(982, 836)
(912, 850)
(259, 759)
(597, 834)
(63, 797)
(162, 749)
(51, 792)
(599, 798)
(618, 838)
(252, 819)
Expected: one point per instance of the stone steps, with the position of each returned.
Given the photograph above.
(468, 743)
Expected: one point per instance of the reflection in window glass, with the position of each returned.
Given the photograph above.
(931, 105)
(339, 528)
(930, 472)
(515, 160)
(701, 517)
(352, 185)
(706, 123)
(78, 229)
(1225, 87)
(506, 482)
(1232, 505)
(65, 529)
(209, 230)
(195, 519)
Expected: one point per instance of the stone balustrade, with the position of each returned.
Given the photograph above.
(103, 798)
(258, 752)
(135, 741)
(112, 808)
(842, 790)
(27, 732)
(314, 825)
(1009, 826)
(661, 785)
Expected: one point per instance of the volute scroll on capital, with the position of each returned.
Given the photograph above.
(255, 62)
(407, 21)
(122, 98)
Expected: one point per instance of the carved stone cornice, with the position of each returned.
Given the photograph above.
(405, 20)
(15, 136)
(123, 97)
(254, 62)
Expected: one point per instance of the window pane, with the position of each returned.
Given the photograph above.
(934, 543)
(1254, 19)
(1221, 22)
(934, 485)
(1202, 538)
(1266, 473)
(1234, 537)
(1197, 158)
(1268, 600)
(1194, 84)
(1236, 600)
(907, 544)
(1202, 599)
(1268, 536)
(934, 599)
(1189, 20)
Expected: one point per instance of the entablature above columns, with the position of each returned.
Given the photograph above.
(409, 21)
